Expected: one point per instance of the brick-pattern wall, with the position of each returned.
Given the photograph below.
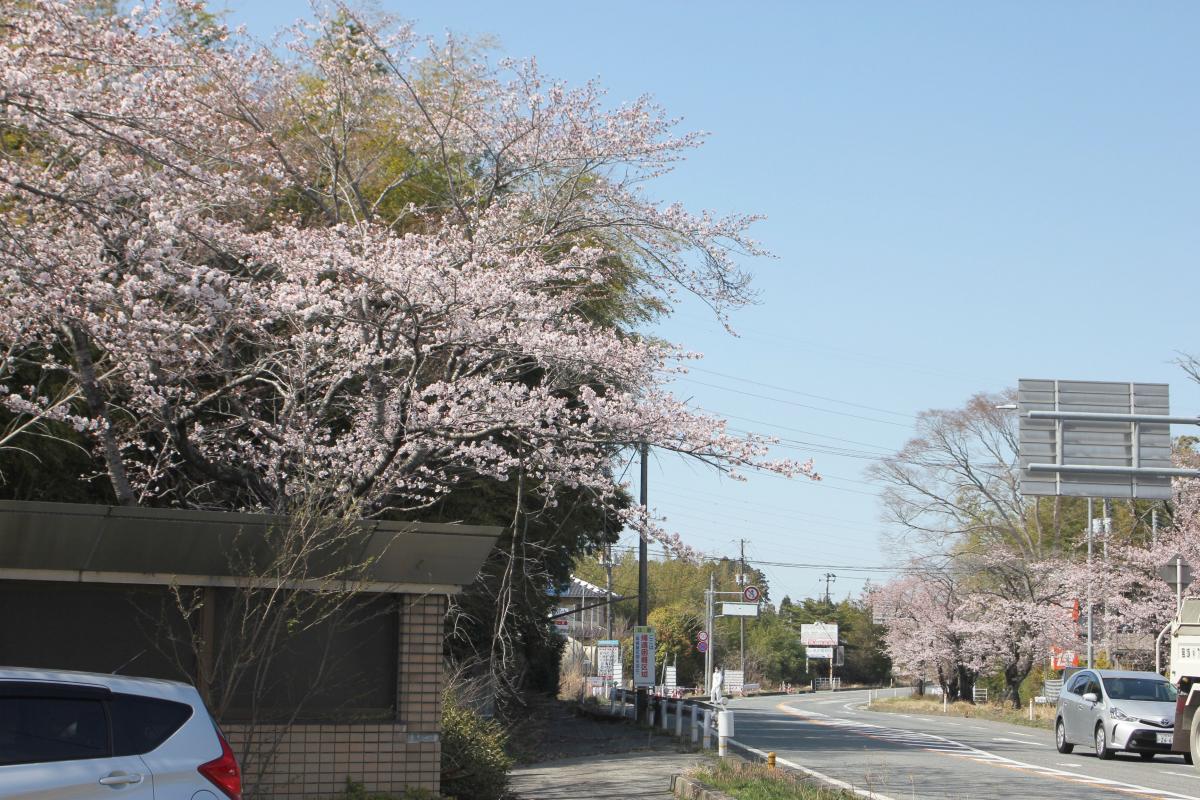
(314, 760)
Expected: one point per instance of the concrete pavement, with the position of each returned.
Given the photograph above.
(637, 776)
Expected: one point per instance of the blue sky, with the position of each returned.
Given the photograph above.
(957, 195)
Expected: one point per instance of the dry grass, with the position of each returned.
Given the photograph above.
(1043, 715)
(746, 781)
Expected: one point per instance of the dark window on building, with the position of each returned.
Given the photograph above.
(140, 724)
(38, 729)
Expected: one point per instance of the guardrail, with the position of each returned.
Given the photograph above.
(705, 719)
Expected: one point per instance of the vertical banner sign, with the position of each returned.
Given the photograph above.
(670, 679)
(608, 658)
(643, 656)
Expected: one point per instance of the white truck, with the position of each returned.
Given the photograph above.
(1185, 674)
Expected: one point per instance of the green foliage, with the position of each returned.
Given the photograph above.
(773, 652)
(475, 764)
(675, 629)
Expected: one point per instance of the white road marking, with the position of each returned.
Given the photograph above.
(1180, 774)
(1002, 739)
(1018, 733)
(958, 749)
(818, 775)
(1066, 763)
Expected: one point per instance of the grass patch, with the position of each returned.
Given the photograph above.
(745, 781)
(1043, 715)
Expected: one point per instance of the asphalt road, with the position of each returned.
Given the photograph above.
(900, 757)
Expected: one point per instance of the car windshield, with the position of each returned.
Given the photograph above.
(1151, 689)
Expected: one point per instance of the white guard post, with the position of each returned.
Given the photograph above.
(679, 717)
(724, 732)
(707, 729)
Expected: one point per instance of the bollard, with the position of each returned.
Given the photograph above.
(679, 718)
(943, 701)
(666, 716)
(695, 725)
(707, 729)
(724, 732)
(771, 760)
(1031, 709)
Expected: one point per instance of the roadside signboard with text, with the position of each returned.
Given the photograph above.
(818, 652)
(643, 656)
(819, 634)
(669, 681)
(735, 679)
(608, 657)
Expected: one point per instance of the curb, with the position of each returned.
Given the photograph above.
(689, 789)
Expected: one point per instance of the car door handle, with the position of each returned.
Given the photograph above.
(121, 779)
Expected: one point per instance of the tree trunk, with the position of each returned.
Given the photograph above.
(966, 683)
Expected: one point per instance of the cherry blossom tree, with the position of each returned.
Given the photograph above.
(215, 272)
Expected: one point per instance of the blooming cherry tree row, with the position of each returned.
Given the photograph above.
(239, 274)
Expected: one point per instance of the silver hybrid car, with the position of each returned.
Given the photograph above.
(1114, 710)
(82, 735)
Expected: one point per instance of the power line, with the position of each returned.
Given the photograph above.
(792, 403)
(802, 394)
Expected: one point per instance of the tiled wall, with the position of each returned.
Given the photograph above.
(314, 760)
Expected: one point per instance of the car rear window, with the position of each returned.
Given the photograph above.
(140, 724)
(38, 729)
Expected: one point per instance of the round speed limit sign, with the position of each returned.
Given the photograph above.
(702, 636)
(751, 594)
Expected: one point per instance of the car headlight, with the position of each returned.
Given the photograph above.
(1118, 714)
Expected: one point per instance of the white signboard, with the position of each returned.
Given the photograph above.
(643, 656)
(819, 634)
(735, 679)
(818, 652)
(618, 673)
(739, 609)
(670, 680)
(608, 658)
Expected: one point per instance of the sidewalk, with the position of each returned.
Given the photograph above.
(637, 775)
(581, 758)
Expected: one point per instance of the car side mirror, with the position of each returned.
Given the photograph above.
(1091, 697)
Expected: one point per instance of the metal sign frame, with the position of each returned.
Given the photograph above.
(1097, 439)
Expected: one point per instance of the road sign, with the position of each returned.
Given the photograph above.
(702, 646)
(739, 609)
(643, 656)
(735, 679)
(819, 634)
(751, 594)
(818, 652)
(669, 680)
(702, 636)
(1171, 573)
(1096, 439)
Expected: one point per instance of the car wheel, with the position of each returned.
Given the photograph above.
(1147, 756)
(1060, 738)
(1102, 749)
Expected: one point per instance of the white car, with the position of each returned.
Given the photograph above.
(83, 735)
(1116, 710)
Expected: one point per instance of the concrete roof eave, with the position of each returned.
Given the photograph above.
(133, 545)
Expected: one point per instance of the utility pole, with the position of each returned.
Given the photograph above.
(829, 578)
(712, 634)
(643, 706)
(742, 620)
(608, 566)
(1089, 583)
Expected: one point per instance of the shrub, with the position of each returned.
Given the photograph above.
(474, 762)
